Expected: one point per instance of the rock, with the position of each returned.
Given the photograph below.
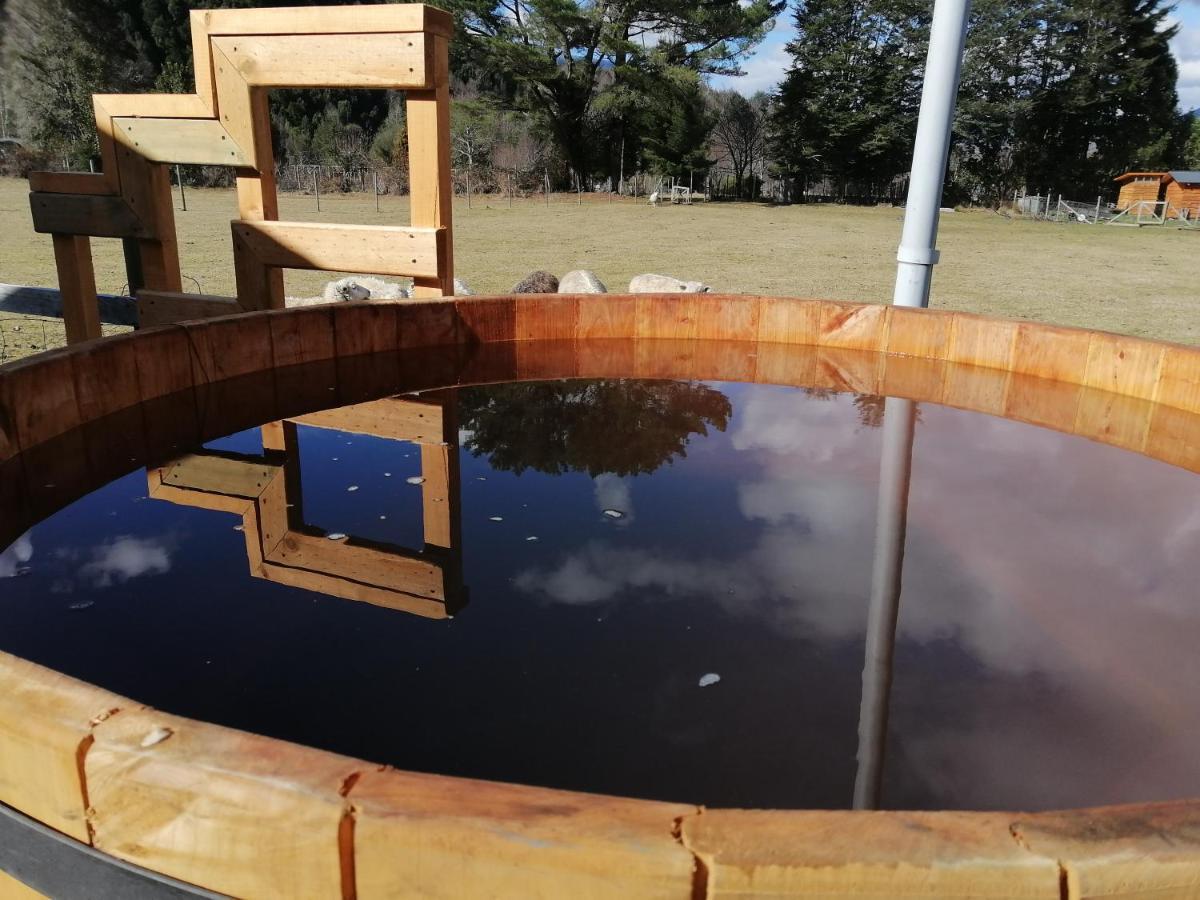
(539, 282)
(665, 284)
(363, 287)
(581, 281)
(462, 289)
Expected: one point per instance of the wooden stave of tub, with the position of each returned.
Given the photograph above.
(248, 815)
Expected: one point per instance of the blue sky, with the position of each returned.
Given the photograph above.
(765, 68)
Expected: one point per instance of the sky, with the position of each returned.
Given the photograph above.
(766, 67)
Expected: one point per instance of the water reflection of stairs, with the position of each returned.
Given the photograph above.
(266, 492)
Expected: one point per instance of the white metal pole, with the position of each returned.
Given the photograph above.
(918, 242)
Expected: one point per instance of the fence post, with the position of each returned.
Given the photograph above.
(182, 195)
(316, 187)
(1097, 222)
(375, 172)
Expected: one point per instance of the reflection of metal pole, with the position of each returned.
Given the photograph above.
(895, 472)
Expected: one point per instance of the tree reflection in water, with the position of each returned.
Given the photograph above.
(561, 426)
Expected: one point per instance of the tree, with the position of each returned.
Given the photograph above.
(1191, 150)
(563, 426)
(739, 136)
(677, 128)
(473, 128)
(560, 56)
(848, 100)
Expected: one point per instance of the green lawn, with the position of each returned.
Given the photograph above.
(1138, 281)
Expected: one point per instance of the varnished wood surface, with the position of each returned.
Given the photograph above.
(253, 816)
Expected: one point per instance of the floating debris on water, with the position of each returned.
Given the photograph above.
(496, 518)
(614, 513)
(416, 479)
(532, 537)
(387, 474)
(382, 518)
(336, 536)
(157, 736)
(82, 604)
(480, 478)
(352, 488)
(710, 678)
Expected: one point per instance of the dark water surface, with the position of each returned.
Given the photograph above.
(545, 606)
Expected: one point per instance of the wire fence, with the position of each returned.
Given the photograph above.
(22, 336)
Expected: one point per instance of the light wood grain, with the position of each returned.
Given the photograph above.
(391, 61)
(201, 142)
(377, 249)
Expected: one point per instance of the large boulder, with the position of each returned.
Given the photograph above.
(363, 287)
(538, 282)
(581, 281)
(665, 284)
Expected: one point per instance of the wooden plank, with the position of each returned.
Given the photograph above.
(200, 499)
(301, 336)
(345, 589)
(785, 853)
(393, 418)
(606, 316)
(546, 317)
(152, 106)
(391, 61)
(1046, 351)
(1124, 365)
(788, 320)
(85, 214)
(326, 20)
(256, 289)
(979, 341)
(93, 183)
(374, 249)
(45, 728)
(77, 284)
(1142, 850)
(727, 317)
(167, 307)
(237, 813)
(106, 377)
(665, 316)
(851, 326)
(1179, 378)
(430, 836)
(201, 142)
(430, 193)
(919, 332)
(394, 569)
(225, 475)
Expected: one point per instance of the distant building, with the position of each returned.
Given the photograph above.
(1137, 187)
(1180, 190)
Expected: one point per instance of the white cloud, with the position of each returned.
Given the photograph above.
(13, 560)
(124, 558)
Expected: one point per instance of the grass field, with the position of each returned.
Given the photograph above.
(1137, 281)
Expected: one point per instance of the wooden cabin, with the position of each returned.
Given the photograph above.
(1139, 186)
(1181, 190)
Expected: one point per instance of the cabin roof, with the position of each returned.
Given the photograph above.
(1184, 176)
(1128, 175)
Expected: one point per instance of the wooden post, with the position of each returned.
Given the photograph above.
(316, 187)
(77, 285)
(430, 191)
(375, 172)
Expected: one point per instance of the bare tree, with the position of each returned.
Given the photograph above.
(739, 137)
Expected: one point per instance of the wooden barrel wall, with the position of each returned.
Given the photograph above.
(251, 816)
